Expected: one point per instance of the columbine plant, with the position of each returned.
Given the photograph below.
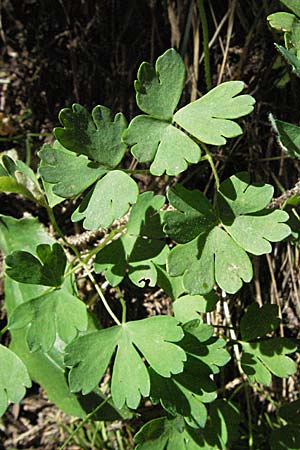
(171, 359)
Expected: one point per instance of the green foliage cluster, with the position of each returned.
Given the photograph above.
(289, 24)
(190, 247)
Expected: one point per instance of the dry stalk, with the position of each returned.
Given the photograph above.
(232, 8)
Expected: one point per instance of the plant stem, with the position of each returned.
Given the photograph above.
(28, 149)
(104, 301)
(103, 432)
(203, 19)
(123, 303)
(271, 158)
(209, 158)
(236, 391)
(83, 264)
(96, 431)
(91, 414)
(95, 250)
(92, 300)
(245, 383)
(187, 29)
(108, 238)
(60, 233)
(136, 171)
(250, 430)
(39, 134)
(233, 337)
(119, 439)
(3, 330)
(12, 139)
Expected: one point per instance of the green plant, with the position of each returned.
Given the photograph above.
(194, 249)
(289, 24)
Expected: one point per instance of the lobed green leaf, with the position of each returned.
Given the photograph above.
(291, 59)
(159, 89)
(18, 178)
(289, 137)
(140, 249)
(51, 314)
(168, 148)
(254, 233)
(46, 369)
(14, 378)
(97, 136)
(90, 355)
(190, 307)
(173, 434)
(213, 244)
(48, 270)
(221, 260)
(164, 434)
(259, 321)
(209, 118)
(109, 200)
(199, 343)
(292, 5)
(238, 195)
(185, 394)
(172, 286)
(81, 173)
(282, 21)
(263, 358)
(194, 214)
